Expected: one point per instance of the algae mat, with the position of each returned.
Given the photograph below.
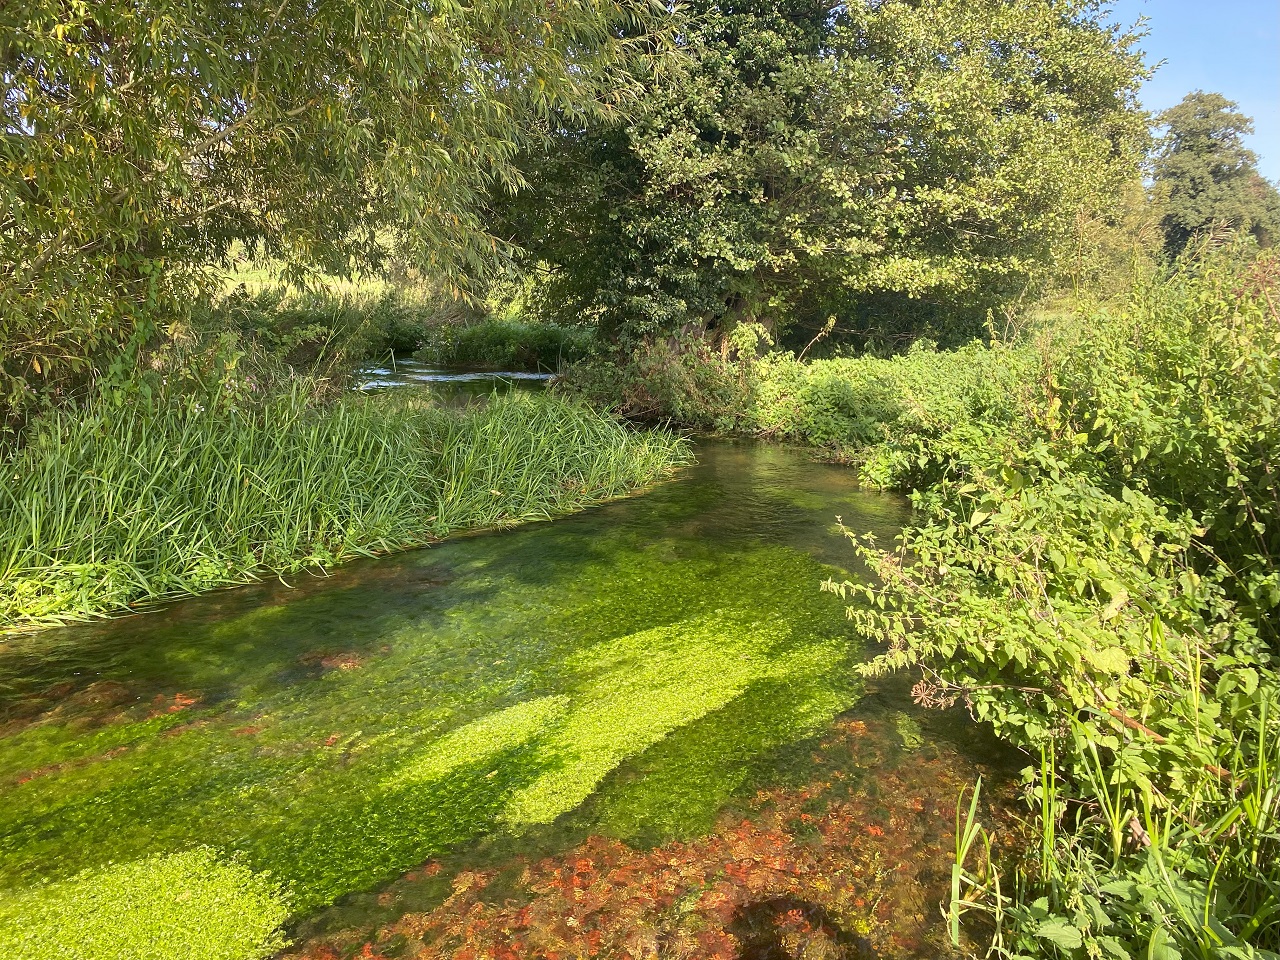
(276, 748)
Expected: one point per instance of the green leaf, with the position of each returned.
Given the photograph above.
(1060, 933)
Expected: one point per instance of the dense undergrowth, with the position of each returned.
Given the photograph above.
(1094, 571)
(330, 328)
(508, 344)
(326, 329)
(852, 407)
(124, 502)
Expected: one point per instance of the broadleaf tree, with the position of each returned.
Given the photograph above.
(826, 160)
(1209, 177)
(139, 140)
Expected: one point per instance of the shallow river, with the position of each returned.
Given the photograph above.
(623, 684)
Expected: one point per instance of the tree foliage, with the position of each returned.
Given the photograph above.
(1210, 176)
(814, 157)
(139, 140)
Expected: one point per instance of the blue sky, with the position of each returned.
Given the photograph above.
(1230, 47)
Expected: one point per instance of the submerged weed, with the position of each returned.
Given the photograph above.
(642, 657)
(188, 904)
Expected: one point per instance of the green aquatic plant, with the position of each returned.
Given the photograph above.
(676, 787)
(188, 904)
(112, 506)
(626, 671)
(639, 688)
(908, 729)
(485, 739)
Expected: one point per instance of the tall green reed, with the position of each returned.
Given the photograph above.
(114, 505)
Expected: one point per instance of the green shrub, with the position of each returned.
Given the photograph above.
(184, 905)
(1094, 571)
(853, 407)
(681, 380)
(319, 330)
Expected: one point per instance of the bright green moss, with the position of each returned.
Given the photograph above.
(185, 905)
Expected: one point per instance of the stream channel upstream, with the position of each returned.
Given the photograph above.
(632, 732)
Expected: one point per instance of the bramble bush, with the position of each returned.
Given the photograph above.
(680, 379)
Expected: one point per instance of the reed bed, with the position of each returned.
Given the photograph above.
(111, 506)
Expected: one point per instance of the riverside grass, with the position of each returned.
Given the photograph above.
(113, 506)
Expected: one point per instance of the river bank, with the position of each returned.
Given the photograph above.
(110, 507)
(1092, 568)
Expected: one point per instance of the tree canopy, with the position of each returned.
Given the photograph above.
(140, 140)
(813, 157)
(1209, 176)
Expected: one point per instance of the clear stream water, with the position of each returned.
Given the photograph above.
(450, 384)
(630, 671)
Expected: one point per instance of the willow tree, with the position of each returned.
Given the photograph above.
(139, 140)
(818, 158)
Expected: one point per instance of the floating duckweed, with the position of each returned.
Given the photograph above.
(188, 904)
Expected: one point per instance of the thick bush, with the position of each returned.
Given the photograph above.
(1094, 572)
(505, 344)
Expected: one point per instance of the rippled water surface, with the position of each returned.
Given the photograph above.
(449, 383)
(629, 673)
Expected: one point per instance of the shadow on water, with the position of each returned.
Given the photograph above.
(641, 672)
